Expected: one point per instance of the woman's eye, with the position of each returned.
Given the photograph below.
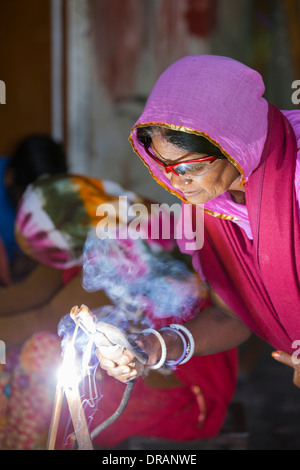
(181, 170)
(200, 166)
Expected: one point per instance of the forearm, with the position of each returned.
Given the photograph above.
(217, 328)
(74, 294)
(215, 331)
(15, 329)
(35, 291)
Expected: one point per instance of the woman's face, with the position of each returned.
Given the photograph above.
(210, 180)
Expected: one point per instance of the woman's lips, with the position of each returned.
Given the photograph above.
(191, 193)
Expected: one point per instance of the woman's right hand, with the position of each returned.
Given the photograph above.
(128, 367)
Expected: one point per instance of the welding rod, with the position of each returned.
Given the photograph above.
(55, 417)
(79, 420)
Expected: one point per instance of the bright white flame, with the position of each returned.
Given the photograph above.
(68, 376)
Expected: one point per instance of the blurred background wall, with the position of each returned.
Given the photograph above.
(25, 67)
(81, 70)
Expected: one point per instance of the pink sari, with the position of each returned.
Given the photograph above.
(251, 253)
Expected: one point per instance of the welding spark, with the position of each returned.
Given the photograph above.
(68, 375)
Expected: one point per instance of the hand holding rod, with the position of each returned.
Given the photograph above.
(109, 339)
(110, 342)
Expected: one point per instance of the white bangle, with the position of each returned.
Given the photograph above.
(191, 345)
(173, 363)
(163, 348)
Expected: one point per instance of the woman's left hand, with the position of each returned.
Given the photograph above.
(287, 359)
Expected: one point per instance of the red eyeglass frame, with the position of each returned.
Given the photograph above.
(169, 168)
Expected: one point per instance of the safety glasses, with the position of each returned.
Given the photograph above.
(186, 168)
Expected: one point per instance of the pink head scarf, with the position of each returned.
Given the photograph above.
(256, 270)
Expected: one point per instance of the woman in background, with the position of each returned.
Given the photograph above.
(34, 156)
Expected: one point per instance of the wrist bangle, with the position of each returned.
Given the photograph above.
(191, 345)
(173, 363)
(163, 348)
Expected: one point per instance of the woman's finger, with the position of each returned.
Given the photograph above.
(283, 357)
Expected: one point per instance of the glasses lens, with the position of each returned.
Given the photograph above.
(192, 169)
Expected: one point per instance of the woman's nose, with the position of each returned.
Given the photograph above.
(178, 181)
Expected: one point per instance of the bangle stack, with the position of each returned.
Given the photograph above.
(188, 344)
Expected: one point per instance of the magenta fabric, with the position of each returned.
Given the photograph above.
(251, 253)
(259, 279)
(294, 118)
